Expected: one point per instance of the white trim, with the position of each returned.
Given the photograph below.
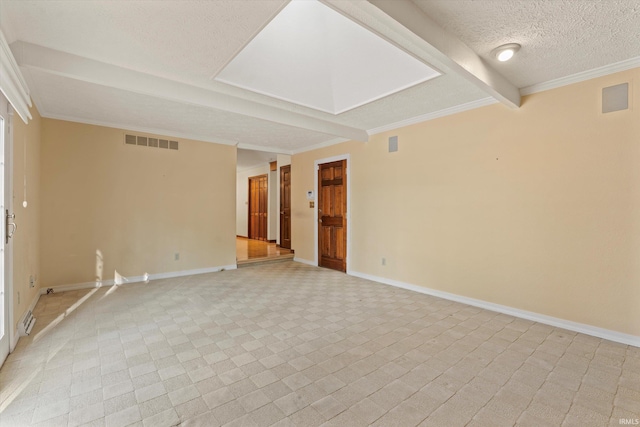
(275, 150)
(155, 131)
(138, 279)
(483, 102)
(450, 51)
(582, 76)
(12, 83)
(516, 312)
(87, 70)
(319, 145)
(343, 110)
(16, 335)
(305, 261)
(248, 40)
(434, 115)
(7, 203)
(348, 174)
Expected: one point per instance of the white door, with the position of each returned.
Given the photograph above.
(5, 294)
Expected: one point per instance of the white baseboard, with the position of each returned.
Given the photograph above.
(138, 279)
(529, 315)
(305, 261)
(16, 335)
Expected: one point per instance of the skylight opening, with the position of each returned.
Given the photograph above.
(313, 56)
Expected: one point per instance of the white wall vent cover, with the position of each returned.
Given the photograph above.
(615, 98)
(313, 56)
(26, 325)
(150, 142)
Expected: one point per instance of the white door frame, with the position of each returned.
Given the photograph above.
(6, 111)
(348, 174)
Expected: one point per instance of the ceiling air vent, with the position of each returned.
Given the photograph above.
(173, 145)
(153, 142)
(130, 139)
(142, 140)
(164, 143)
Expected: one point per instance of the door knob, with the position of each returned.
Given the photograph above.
(8, 224)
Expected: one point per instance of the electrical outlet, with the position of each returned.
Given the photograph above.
(176, 256)
(384, 261)
(32, 281)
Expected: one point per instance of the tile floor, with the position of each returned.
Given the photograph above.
(292, 345)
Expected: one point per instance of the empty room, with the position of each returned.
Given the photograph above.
(320, 212)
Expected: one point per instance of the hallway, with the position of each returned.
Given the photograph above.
(250, 251)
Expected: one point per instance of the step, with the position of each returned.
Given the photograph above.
(265, 260)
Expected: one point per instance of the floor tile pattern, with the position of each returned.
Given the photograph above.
(287, 344)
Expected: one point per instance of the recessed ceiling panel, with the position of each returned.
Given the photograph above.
(313, 56)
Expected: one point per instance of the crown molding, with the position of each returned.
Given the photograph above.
(274, 150)
(87, 70)
(319, 145)
(445, 47)
(12, 83)
(616, 67)
(434, 115)
(127, 127)
(407, 122)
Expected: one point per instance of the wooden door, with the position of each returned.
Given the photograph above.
(285, 206)
(258, 207)
(332, 215)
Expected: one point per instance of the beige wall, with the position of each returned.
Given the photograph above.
(137, 206)
(26, 240)
(536, 208)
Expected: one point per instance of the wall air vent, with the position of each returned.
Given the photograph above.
(615, 98)
(25, 327)
(150, 142)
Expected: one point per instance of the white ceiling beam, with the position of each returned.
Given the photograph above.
(450, 50)
(83, 69)
(12, 83)
(273, 150)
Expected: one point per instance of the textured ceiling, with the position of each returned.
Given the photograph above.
(182, 40)
(558, 37)
(191, 41)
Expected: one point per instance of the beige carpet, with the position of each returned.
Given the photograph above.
(291, 345)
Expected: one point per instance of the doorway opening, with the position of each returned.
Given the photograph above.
(259, 210)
